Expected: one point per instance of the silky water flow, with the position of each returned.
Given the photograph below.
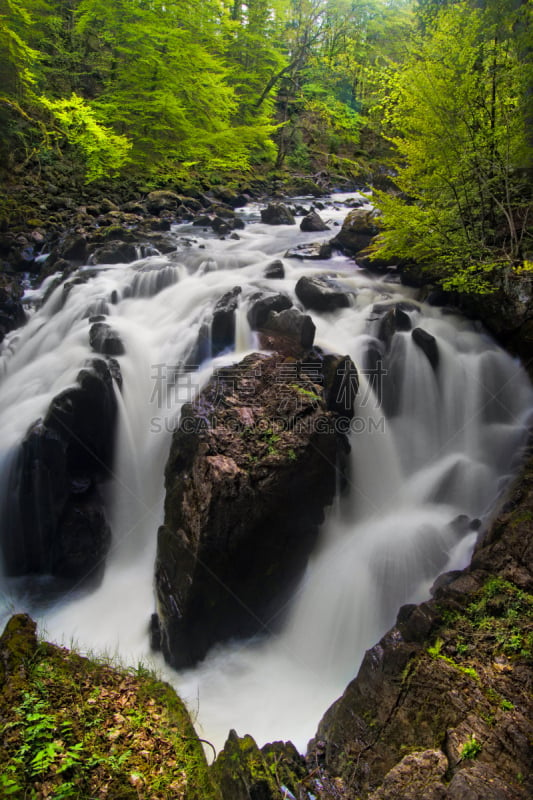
(438, 447)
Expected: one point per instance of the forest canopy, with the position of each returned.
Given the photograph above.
(435, 95)
(165, 86)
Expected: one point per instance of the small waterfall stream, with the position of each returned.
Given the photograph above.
(441, 446)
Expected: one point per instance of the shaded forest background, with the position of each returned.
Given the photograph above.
(436, 95)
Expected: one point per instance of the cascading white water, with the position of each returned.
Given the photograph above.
(450, 441)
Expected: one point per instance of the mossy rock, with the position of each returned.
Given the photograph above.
(244, 772)
(79, 727)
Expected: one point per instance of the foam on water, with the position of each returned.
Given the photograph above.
(451, 440)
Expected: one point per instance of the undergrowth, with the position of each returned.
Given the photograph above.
(76, 728)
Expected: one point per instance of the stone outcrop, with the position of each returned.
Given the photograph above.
(243, 771)
(428, 344)
(289, 332)
(321, 293)
(11, 311)
(104, 339)
(358, 230)
(315, 251)
(277, 214)
(313, 222)
(56, 523)
(441, 707)
(251, 468)
(262, 304)
(115, 252)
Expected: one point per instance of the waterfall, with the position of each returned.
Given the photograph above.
(432, 449)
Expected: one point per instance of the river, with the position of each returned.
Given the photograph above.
(442, 445)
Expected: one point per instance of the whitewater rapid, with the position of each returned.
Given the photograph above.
(447, 446)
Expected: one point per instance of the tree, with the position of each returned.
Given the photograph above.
(459, 131)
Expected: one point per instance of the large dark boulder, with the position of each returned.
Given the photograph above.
(162, 200)
(82, 538)
(250, 470)
(393, 319)
(262, 304)
(55, 523)
(321, 293)
(105, 340)
(74, 248)
(277, 214)
(289, 331)
(313, 222)
(315, 251)
(115, 252)
(223, 322)
(275, 270)
(243, 771)
(11, 311)
(358, 230)
(428, 344)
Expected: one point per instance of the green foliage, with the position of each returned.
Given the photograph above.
(74, 727)
(17, 58)
(506, 612)
(435, 652)
(471, 748)
(456, 119)
(104, 152)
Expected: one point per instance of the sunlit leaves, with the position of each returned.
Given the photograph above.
(454, 117)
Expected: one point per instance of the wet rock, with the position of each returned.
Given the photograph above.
(117, 233)
(289, 328)
(84, 418)
(440, 706)
(245, 493)
(243, 771)
(135, 207)
(277, 214)
(231, 198)
(355, 202)
(314, 251)
(202, 222)
(428, 344)
(116, 252)
(107, 206)
(379, 265)
(507, 313)
(12, 313)
(220, 226)
(222, 211)
(321, 293)
(55, 521)
(83, 535)
(75, 249)
(104, 340)
(395, 319)
(313, 222)
(375, 369)
(342, 381)
(275, 270)
(418, 775)
(159, 201)
(262, 304)
(358, 230)
(223, 322)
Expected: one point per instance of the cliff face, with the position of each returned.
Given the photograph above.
(441, 707)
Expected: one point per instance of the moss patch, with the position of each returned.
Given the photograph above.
(78, 728)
